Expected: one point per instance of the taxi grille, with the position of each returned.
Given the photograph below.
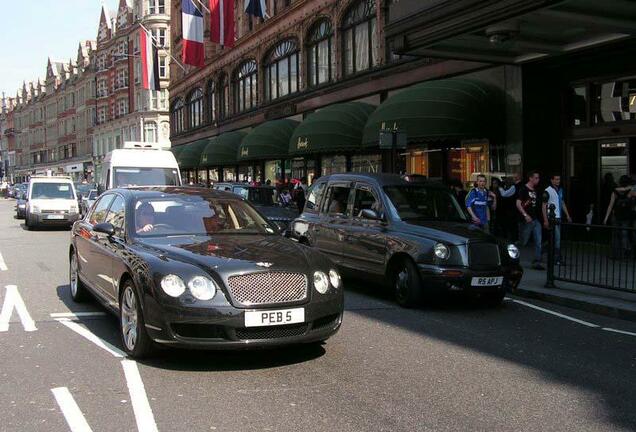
(54, 212)
(483, 255)
(268, 288)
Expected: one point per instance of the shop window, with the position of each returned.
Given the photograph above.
(615, 101)
(333, 165)
(229, 175)
(245, 86)
(213, 175)
(371, 164)
(273, 171)
(281, 70)
(177, 116)
(195, 108)
(320, 53)
(578, 105)
(359, 28)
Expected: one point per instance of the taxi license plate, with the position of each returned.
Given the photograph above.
(54, 216)
(487, 281)
(274, 317)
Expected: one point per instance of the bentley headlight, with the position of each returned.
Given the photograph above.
(321, 282)
(513, 251)
(173, 285)
(441, 251)
(202, 288)
(334, 278)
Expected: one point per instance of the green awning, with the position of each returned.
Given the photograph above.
(335, 128)
(190, 156)
(268, 141)
(222, 150)
(176, 150)
(438, 110)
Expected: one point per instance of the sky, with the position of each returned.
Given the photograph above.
(34, 30)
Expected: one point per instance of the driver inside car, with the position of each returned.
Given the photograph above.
(145, 218)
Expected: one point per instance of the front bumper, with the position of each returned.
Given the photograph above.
(43, 218)
(459, 279)
(223, 327)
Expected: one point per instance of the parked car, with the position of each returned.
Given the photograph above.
(415, 235)
(20, 206)
(265, 199)
(51, 200)
(87, 201)
(200, 268)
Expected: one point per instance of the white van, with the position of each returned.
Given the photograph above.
(51, 200)
(139, 164)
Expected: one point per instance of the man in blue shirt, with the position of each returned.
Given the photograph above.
(477, 204)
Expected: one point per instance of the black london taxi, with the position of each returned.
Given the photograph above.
(200, 268)
(414, 234)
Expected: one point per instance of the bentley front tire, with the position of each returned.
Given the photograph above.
(135, 339)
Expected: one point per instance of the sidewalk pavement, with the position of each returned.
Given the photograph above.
(617, 304)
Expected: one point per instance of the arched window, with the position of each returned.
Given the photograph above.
(211, 102)
(150, 132)
(281, 70)
(245, 86)
(177, 116)
(360, 37)
(321, 59)
(195, 108)
(224, 97)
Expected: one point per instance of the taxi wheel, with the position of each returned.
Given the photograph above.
(78, 290)
(134, 337)
(407, 284)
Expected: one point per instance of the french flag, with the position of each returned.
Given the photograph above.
(149, 62)
(222, 22)
(258, 8)
(192, 23)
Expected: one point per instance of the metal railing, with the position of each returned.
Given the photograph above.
(595, 255)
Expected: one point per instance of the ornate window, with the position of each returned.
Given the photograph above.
(224, 97)
(195, 108)
(321, 59)
(211, 102)
(150, 132)
(281, 70)
(245, 86)
(177, 113)
(360, 37)
(157, 7)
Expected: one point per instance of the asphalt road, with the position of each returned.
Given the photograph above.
(451, 366)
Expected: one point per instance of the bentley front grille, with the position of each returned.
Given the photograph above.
(268, 288)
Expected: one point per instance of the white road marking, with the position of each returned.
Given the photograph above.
(76, 314)
(13, 300)
(71, 411)
(560, 315)
(82, 331)
(619, 331)
(3, 265)
(143, 413)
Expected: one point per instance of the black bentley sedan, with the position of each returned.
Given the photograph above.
(200, 268)
(414, 234)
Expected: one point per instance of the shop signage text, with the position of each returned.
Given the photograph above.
(302, 144)
(245, 151)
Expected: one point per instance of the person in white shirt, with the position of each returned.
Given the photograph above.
(555, 197)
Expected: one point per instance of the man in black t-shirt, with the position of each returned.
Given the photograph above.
(529, 208)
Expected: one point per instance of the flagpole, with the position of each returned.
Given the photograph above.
(153, 40)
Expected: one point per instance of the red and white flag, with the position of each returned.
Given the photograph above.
(222, 22)
(149, 62)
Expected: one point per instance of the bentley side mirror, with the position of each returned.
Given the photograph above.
(105, 228)
(370, 214)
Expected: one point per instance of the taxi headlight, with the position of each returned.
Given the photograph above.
(321, 282)
(173, 285)
(202, 288)
(441, 251)
(35, 209)
(513, 251)
(334, 278)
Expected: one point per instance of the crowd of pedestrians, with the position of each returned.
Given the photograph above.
(519, 211)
